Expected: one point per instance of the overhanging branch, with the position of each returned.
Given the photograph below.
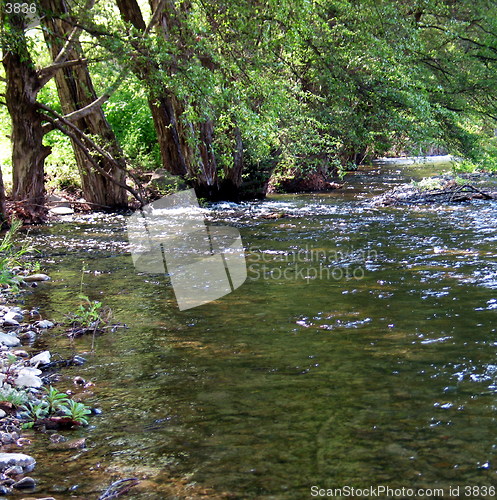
(69, 129)
(45, 74)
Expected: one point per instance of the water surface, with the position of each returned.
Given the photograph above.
(360, 351)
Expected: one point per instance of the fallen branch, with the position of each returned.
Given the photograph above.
(118, 488)
(408, 195)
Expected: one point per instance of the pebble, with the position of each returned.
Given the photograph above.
(4, 490)
(6, 438)
(78, 360)
(44, 323)
(2, 413)
(25, 483)
(16, 470)
(9, 340)
(36, 277)
(13, 316)
(10, 322)
(57, 438)
(20, 353)
(12, 459)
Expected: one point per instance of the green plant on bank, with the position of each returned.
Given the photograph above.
(17, 397)
(465, 166)
(76, 411)
(55, 399)
(52, 403)
(428, 184)
(32, 412)
(10, 256)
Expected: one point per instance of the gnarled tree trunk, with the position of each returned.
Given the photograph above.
(186, 148)
(75, 89)
(28, 151)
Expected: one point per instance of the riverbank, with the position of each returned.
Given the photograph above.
(28, 399)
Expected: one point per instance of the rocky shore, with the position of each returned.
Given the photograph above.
(27, 398)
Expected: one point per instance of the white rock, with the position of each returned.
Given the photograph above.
(27, 370)
(61, 211)
(9, 340)
(37, 277)
(28, 377)
(2, 413)
(12, 459)
(44, 323)
(43, 358)
(27, 380)
(13, 315)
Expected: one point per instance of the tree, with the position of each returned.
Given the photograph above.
(75, 90)
(31, 120)
(22, 87)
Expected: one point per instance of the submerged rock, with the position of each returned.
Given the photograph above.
(8, 460)
(36, 277)
(26, 483)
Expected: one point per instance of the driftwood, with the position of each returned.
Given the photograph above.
(118, 488)
(451, 193)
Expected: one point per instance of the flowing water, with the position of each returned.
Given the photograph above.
(360, 351)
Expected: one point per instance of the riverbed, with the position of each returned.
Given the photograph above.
(360, 351)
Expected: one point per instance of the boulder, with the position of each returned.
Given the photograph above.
(61, 211)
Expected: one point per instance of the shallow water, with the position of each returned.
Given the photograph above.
(360, 351)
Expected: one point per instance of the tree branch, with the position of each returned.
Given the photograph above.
(87, 110)
(46, 73)
(57, 123)
(61, 57)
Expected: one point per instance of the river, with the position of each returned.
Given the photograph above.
(360, 351)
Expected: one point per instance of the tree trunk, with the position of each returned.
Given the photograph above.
(230, 186)
(186, 149)
(3, 214)
(75, 89)
(28, 151)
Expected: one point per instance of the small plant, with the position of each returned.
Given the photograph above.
(55, 399)
(76, 411)
(88, 314)
(16, 397)
(10, 256)
(32, 412)
(7, 369)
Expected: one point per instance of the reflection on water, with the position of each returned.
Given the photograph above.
(296, 378)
